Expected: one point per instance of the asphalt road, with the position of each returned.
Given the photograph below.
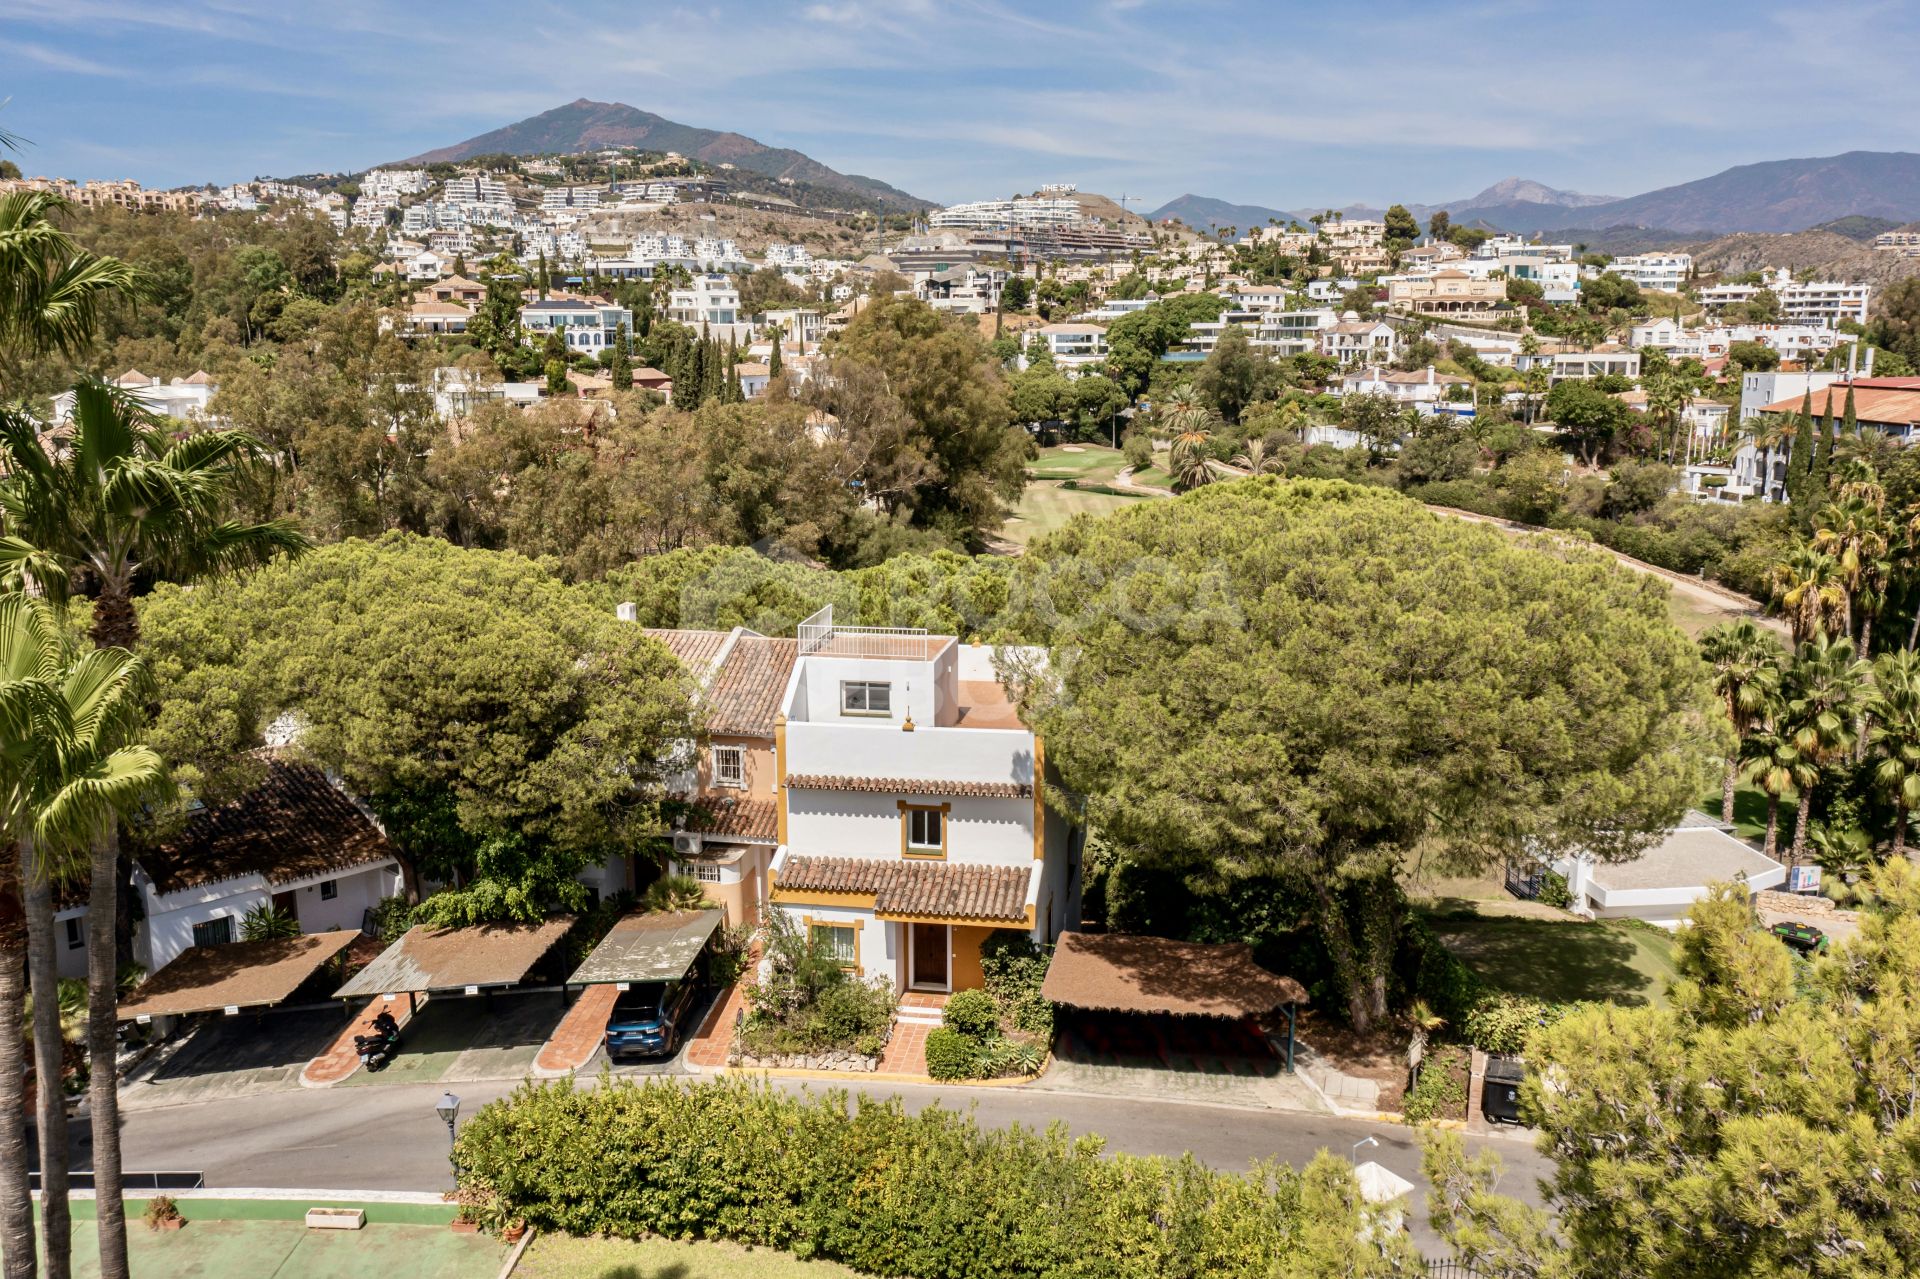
(389, 1138)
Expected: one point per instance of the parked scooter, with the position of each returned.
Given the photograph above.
(377, 1049)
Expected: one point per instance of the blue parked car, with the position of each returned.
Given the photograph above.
(649, 1019)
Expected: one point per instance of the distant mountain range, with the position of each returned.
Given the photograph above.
(1774, 196)
(585, 125)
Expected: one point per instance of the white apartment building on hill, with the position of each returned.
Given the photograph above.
(1667, 272)
(988, 215)
(1819, 301)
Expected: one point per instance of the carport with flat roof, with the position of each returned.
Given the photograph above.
(648, 946)
(227, 978)
(468, 960)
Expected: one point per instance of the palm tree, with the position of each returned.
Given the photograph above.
(51, 289)
(1746, 674)
(121, 501)
(1896, 736)
(67, 773)
(1776, 768)
(1852, 531)
(1823, 689)
(1808, 588)
(1191, 423)
(1255, 460)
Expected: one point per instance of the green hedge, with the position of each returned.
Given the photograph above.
(932, 1195)
(1472, 1010)
(952, 1054)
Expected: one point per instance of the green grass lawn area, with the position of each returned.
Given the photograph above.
(1750, 811)
(1094, 463)
(1565, 960)
(254, 1249)
(565, 1257)
(1155, 476)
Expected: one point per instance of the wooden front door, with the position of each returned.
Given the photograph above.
(288, 904)
(929, 944)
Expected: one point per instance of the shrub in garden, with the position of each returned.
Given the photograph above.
(1441, 1089)
(806, 1002)
(973, 1013)
(951, 1054)
(1014, 966)
(1504, 1023)
(886, 1192)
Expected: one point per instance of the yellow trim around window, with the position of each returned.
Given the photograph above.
(927, 853)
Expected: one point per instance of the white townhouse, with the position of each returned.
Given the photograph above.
(912, 822)
(183, 399)
(710, 304)
(588, 324)
(296, 842)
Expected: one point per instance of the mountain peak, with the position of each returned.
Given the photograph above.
(586, 125)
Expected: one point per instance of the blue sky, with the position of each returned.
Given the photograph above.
(1277, 103)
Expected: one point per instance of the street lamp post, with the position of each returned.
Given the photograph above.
(1352, 1155)
(448, 1108)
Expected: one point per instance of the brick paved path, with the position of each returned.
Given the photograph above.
(577, 1037)
(342, 1059)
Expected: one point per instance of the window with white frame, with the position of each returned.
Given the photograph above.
(926, 830)
(838, 941)
(865, 697)
(729, 766)
(329, 889)
(705, 872)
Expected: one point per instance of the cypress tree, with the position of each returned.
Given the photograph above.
(696, 379)
(774, 362)
(1820, 468)
(1849, 424)
(622, 370)
(1801, 455)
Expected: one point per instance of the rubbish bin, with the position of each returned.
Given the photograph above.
(1500, 1089)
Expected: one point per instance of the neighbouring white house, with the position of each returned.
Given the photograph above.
(753, 378)
(1422, 389)
(912, 821)
(1357, 341)
(587, 324)
(184, 398)
(1073, 345)
(1662, 884)
(1667, 272)
(796, 324)
(296, 842)
(710, 305)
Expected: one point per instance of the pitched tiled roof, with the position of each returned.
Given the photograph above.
(913, 786)
(696, 649)
(745, 694)
(750, 819)
(294, 825)
(945, 890)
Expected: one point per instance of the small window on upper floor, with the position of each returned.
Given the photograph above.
(329, 890)
(729, 766)
(863, 697)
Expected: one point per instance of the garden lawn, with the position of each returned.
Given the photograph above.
(1750, 812)
(1563, 961)
(565, 1257)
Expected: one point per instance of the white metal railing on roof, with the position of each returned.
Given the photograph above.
(818, 634)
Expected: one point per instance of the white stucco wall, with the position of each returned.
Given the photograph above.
(359, 892)
(877, 941)
(860, 824)
(853, 749)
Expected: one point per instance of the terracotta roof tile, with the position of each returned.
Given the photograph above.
(946, 890)
(912, 786)
(745, 694)
(756, 820)
(695, 649)
(294, 825)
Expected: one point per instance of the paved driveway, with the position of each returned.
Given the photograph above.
(235, 1057)
(1171, 1058)
(456, 1039)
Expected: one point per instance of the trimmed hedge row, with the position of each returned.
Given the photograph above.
(931, 1195)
